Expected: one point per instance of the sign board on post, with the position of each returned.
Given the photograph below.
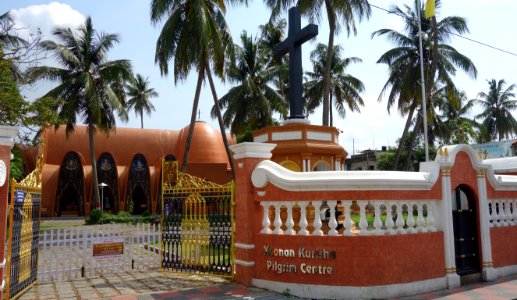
(108, 249)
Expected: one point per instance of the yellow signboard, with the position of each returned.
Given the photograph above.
(108, 249)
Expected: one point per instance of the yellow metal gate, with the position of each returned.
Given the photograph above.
(22, 246)
(197, 223)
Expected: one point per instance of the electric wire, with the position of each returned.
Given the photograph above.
(452, 33)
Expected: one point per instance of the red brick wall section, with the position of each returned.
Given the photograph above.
(463, 173)
(247, 217)
(504, 246)
(359, 261)
(5, 155)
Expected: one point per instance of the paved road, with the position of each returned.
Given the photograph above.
(179, 286)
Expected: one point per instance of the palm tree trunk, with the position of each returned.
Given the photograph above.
(192, 120)
(402, 138)
(142, 119)
(96, 196)
(220, 119)
(416, 132)
(330, 52)
(330, 110)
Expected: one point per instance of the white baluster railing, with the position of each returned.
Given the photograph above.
(317, 219)
(502, 212)
(332, 221)
(303, 218)
(348, 223)
(289, 222)
(373, 217)
(265, 218)
(278, 220)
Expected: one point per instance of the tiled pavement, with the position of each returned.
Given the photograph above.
(178, 286)
(503, 288)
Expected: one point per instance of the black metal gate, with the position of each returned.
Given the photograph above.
(197, 224)
(465, 232)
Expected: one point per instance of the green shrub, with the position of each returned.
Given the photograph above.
(154, 219)
(95, 217)
(121, 217)
(146, 213)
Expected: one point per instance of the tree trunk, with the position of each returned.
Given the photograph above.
(330, 110)
(192, 120)
(96, 196)
(221, 123)
(416, 132)
(142, 119)
(330, 52)
(402, 138)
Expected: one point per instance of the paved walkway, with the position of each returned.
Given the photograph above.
(146, 285)
(179, 286)
(503, 288)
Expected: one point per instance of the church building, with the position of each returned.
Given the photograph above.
(129, 168)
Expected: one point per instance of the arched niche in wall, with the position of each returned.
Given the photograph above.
(70, 187)
(108, 184)
(322, 165)
(290, 165)
(138, 186)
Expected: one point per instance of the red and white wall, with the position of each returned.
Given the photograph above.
(284, 243)
(7, 135)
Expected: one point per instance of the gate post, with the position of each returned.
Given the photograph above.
(247, 210)
(7, 135)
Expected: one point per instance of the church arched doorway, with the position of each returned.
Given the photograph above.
(138, 186)
(108, 186)
(466, 242)
(139, 201)
(70, 188)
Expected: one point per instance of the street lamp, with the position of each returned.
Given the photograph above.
(102, 185)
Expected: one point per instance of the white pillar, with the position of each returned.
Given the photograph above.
(304, 165)
(487, 269)
(308, 165)
(453, 279)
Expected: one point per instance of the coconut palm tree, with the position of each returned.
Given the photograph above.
(85, 77)
(252, 102)
(338, 13)
(403, 61)
(140, 95)
(344, 88)
(195, 35)
(8, 40)
(454, 126)
(498, 104)
(271, 34)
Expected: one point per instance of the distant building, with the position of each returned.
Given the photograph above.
(496, 149)
(366, 160)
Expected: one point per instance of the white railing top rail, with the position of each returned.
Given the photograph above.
(270, 172)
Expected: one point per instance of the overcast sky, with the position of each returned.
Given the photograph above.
(489, 22)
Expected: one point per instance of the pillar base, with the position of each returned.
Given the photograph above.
(452, 281)
(489, 274)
